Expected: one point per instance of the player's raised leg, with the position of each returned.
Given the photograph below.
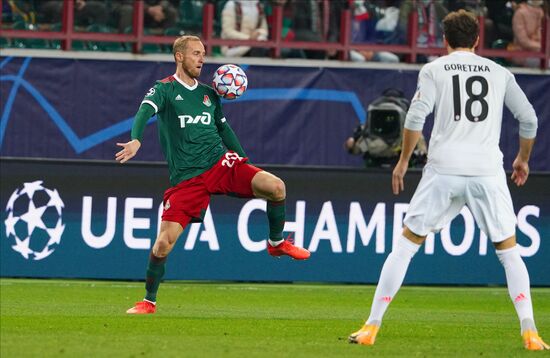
(391, 278)
(269, 187)
(517, 279)
(169, 233)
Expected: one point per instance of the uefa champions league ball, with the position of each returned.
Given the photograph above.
(34, 224)
(229, 81)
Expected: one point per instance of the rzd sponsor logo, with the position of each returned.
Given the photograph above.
(205, 119)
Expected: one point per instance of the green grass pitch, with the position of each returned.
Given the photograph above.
(68, 318)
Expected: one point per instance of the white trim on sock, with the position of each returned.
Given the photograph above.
(407, 244)
(154, 303)
(275, 243)
(505, 251)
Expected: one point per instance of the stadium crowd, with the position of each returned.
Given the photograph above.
(511, 25)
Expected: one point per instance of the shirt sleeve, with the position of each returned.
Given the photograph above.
(423, 101)
(219, 117)
(230, 139)
(155, 98)
(142, 116)
(517, 102)
(227, 135)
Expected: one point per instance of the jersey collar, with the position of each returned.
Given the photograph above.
(185, 84)
(463, 53)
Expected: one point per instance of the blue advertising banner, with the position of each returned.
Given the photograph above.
(98, 219)
(79, 109)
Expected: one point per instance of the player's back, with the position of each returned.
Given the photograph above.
(469, 95)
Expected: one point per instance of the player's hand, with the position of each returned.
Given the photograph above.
(521, 171)
(128, 152)
(399, 171)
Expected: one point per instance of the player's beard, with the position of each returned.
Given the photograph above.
(192, 72)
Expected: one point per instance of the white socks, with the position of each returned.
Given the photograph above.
(275, 243)
(517, 279)
(391, 278)
(397, 263)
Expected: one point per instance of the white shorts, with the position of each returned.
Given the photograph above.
(439, 198)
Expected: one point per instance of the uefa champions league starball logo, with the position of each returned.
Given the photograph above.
(34, 225)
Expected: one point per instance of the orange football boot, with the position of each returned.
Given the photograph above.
(287, 248)
(142, 307)
(533, 342)
(366, 335)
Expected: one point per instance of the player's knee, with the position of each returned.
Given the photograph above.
(162, 248)
(411, 236)
(163, 245)
(506, 244)
(278, 191)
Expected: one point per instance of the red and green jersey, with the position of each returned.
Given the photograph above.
(189, 121)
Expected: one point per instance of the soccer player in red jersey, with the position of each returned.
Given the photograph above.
(204, 157)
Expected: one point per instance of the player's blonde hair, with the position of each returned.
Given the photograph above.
(181, 43)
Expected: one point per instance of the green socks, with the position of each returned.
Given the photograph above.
(276, 217)
(155, 272)
(156, 265)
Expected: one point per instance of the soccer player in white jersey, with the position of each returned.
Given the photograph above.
(464, 167)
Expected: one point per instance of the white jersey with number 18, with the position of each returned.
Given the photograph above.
(468, 93)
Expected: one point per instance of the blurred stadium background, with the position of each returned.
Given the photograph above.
(69, 91)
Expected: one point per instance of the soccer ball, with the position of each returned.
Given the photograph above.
(229, 81)
(33, 225)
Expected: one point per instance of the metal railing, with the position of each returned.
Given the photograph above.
(137, 38)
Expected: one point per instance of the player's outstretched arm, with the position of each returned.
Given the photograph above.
(129, 150)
